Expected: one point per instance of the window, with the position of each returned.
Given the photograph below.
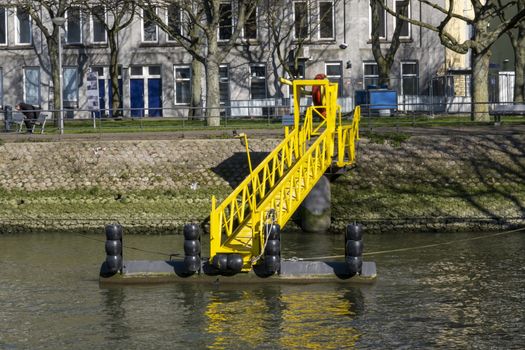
(136, 71)
(258, 81)
(225, 21)
(381, 20)
(154, 71)
(250, 26)
(98, 70)
(297, 73)
(149, 28)
(371, 74)
(409, 78)
(3, 26)
(70, 89)
(326, 20)
(334, 73)
(23, 26)
(98, 19)
(300, 12)
(405, 26)
(74, 26)
(175, 21)
(1, 88)
(32, 85)
(182, 85)
(224, 84)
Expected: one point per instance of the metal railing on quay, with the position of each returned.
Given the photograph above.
(409, 111)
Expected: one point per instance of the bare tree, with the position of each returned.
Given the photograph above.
(383, 59)
(484, 35)
(517, 39)
(184, 29)
(291, 26)
(214, 19)
(43, 12)
(115, 16)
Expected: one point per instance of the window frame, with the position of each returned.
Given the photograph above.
(38, 85)
(169, 38)
(176, 80)
(370, 76)
(339, 77)
(80, 23)
(77, 81)
(1, 87)
(409, 27)
(94, 20)
(385, 33)
(18, 28)
(255, 15)
(258, 78)
(409, 75)
(231, 24)
(143, 32)
(6, 28)
(332, 37)
(295, 23)
(226, 81)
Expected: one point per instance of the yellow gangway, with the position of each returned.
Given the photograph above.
(277, 186)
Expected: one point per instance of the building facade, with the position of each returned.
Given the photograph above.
(155, 80)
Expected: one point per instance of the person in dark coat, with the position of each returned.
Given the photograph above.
(30, 113)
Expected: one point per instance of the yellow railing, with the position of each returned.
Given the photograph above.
(278, 185)
(347, 136)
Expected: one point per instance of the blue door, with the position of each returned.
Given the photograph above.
(110, 96)
(154, 97)
(137, 97)
(101, 99)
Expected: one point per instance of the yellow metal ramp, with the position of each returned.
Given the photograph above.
(277, 186)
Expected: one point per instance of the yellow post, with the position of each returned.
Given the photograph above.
(215, 237)
(245, 139)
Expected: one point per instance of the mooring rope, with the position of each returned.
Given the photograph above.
(412, 248)
(340, 256)
(130, 247)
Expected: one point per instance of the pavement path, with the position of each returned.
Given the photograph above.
(257, 133)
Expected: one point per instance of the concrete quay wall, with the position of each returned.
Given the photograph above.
(428, 183)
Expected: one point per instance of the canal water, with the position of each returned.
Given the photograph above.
(466, 295)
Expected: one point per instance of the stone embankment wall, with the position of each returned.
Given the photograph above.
(427, 183)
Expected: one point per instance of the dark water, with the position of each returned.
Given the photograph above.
(469, 295)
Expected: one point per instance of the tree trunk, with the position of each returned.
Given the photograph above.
(196, 90)
(212, 83)
(480, 91)
(55, 76)
(519, 63)
(383, 67)
(113, 73)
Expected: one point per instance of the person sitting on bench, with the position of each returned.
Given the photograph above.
(30, 112)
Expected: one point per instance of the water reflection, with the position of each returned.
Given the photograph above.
(468, 295)
(284, 317)
(114, 301)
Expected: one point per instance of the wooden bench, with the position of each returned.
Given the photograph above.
(506, 109)
(40, 122)
(19, 118)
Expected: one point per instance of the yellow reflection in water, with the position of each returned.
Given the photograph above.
(290, 318)
(316, 320)
(237, 322)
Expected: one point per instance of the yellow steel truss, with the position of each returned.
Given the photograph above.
(277, 186)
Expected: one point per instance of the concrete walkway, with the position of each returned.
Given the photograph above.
(256, 133)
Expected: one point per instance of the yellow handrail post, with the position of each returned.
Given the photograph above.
(245, 140)
(214, 226)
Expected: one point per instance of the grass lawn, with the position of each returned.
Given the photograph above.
(166, 124)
